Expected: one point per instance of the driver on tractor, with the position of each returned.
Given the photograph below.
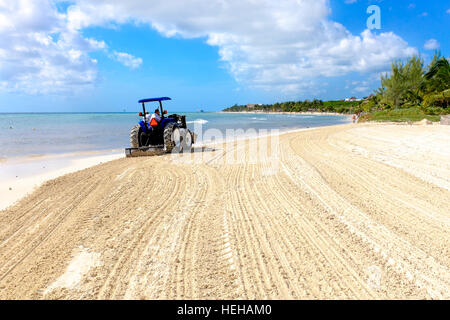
(155, 119)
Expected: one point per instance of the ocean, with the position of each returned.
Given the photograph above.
(25, 134)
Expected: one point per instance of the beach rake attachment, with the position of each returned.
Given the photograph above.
(144, 151)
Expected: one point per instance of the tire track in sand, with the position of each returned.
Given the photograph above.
(309, 228)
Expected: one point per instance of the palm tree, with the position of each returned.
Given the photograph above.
(436, 83)
(437, 79)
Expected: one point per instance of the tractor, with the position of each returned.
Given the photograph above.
(151, 137)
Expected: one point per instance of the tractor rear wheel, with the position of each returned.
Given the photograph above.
(172, 138)
(138, 138)
(135, 135)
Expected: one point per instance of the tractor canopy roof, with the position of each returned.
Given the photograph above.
(154, 99)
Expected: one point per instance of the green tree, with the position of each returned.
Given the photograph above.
(403, 83)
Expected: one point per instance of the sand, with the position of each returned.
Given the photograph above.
(352, 212)
(20, 176)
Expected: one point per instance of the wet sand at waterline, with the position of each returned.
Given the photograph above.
(352, 211)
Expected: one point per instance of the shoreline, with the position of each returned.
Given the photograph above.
(290, 113)
(56, 165)
(20, 176)
(23, 180)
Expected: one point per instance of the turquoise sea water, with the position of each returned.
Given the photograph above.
(51, 133)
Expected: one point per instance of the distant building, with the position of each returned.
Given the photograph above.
(250, 106)
(352, 99)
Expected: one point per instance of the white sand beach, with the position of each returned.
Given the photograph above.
(350, 211)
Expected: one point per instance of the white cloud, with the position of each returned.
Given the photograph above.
(361, 89)
(127, 59)
(278, 45)
(350, 1)
(283, 45)
(448, 11)
(432, 44)
(38, 54)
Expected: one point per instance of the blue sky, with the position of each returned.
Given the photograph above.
(105, 55)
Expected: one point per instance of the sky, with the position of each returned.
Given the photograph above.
(105, 55)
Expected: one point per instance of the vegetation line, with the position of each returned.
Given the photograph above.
(410, 92)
